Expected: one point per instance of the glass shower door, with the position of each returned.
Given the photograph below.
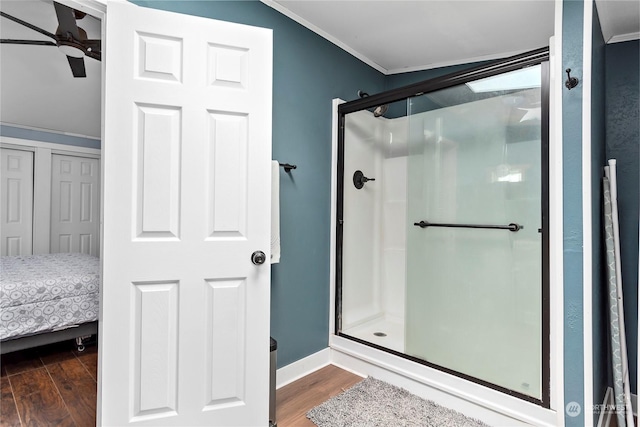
(474, 231)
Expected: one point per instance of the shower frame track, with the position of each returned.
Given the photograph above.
(524, 60)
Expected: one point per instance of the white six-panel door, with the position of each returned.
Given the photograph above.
(16, 202)
(75, 214)
(184, 330)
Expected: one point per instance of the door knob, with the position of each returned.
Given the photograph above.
(258, 257)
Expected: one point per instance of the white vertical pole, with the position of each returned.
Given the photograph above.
(616, 239)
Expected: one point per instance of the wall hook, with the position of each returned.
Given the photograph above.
(571, 81)
(287, 167)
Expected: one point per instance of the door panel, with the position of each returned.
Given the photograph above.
(227, 195)
(16, 195)
(75, 196)
(185, 314)
(157, 172)
(225, 311)
(156, 357)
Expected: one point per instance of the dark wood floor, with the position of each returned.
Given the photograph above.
(52, 385)
(56, 386)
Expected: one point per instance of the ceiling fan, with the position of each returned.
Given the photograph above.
(69, 38)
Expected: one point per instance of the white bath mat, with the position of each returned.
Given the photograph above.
(373, 403)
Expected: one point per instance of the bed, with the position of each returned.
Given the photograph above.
(47, 298)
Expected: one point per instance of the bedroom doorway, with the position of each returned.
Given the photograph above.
(50, 173)
(50, 222)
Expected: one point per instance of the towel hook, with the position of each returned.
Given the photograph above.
(571, 81)
(287, 167)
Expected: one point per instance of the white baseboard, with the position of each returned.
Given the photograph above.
(300, 368)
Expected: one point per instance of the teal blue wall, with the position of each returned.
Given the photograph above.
(308, 72)
(599, 293)
(572, 21)
(42, 136)
(623, 140)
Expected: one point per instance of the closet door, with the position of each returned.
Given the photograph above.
(16, 202)
(74, 204)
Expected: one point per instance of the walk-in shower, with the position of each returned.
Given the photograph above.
(442, 224)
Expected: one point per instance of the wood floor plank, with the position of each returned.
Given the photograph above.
(8, 411)
(294, 400)
(89, 359)
(78, 390)
(38, 401)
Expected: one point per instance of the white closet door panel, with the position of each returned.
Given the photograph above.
(74, 204)
(16, 198)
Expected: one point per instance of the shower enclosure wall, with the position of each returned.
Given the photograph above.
(442, 247)
(374, 253)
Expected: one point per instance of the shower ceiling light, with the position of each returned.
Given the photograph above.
(504, 173)
(525, 78)
(510, 177)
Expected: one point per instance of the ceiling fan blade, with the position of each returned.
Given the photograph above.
(77, 66)
(95, 55)
(94, 44)
(34, 42)
(93, 49)
(26, 24)
(66, 20)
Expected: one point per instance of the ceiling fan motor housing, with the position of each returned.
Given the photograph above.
(69, 45)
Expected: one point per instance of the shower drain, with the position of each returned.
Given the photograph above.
(380, 334)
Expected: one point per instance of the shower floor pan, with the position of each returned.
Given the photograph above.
(383, 331)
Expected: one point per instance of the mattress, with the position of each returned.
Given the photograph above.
(40, 293)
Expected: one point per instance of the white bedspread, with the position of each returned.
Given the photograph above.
(47, 292)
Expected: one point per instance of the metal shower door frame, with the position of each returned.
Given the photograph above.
(524, 60)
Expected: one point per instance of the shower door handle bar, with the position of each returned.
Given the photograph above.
(511, 227)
